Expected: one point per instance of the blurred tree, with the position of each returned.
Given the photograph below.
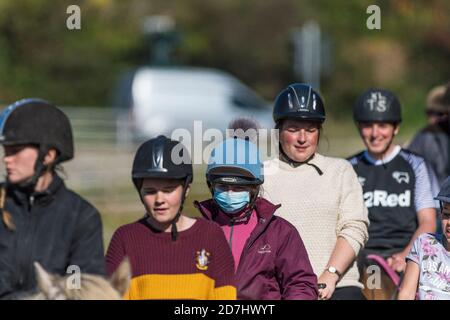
(39, 56)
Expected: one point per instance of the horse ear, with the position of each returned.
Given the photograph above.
(121, 278)
(45, 282)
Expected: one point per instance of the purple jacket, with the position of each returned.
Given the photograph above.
(274, 264)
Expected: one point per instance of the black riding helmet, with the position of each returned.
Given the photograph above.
(163, 158)
(40, 123)
(299, 101)
(444, 193)
(377, 105)
(37, 122)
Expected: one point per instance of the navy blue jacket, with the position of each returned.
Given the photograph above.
(56, 228)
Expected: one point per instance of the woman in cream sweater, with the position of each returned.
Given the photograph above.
(319, 195)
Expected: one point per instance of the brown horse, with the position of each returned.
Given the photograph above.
(389, 280)
(92, 287)
(387, 290)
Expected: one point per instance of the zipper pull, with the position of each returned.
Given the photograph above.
(31, 201)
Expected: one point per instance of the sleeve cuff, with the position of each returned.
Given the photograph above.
(356, 246)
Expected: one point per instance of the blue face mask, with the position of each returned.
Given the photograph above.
(231, 202)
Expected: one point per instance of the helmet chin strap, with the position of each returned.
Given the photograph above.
(284, 157)
(246, 211)
(28, 187)
(39, 168)
(174, 230)
(173, 222)
(244, 215)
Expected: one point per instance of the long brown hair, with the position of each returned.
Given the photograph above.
(6, 216)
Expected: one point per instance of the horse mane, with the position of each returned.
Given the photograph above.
(91, 287)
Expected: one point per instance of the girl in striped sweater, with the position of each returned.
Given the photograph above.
(172, 256)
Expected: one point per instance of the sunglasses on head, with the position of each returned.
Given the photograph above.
(435, 113)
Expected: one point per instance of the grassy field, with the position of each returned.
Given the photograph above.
(101, 173)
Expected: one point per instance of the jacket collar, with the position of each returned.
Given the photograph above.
(43, 197)
(265, 211)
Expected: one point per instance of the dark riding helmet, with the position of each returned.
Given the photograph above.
(161, 157)
(444, 193)
(377, 105)
(438, 99)
(299, 101)
(37, 121)
(40, 123)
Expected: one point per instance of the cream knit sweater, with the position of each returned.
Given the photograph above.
(321, 207)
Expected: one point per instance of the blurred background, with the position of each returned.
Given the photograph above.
(137, 68)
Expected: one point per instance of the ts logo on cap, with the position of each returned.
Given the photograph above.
(377, 102)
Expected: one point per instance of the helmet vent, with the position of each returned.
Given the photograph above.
(302, 104)
(291, 105)
(158, 156)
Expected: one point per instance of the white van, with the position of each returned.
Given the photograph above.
(162, 99)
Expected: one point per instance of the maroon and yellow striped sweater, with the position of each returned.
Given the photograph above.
(198, 265)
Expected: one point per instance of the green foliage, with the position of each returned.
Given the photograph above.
(39, 56)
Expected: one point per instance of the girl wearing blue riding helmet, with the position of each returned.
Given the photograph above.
(270, 258)
(428, 263)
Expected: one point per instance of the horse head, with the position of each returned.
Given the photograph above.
(83, 286)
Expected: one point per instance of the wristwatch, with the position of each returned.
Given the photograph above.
(332, 269)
